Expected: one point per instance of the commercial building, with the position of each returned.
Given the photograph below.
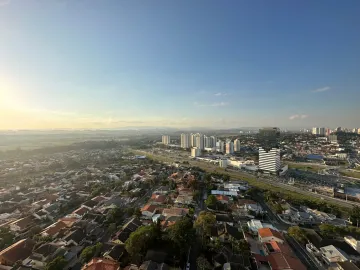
(333, 138)
(229, 147)
(269, 137)
(269, 160)
(165, 139)
(237, 145)
(195, 152)
(223, 163)
(185, 141)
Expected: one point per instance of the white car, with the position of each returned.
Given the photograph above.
(188, 266)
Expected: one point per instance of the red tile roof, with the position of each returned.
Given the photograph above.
(268, 232)
(222, 198)
(18, 251)
(281, 261)
(278, 247)
(55, 228)
(101, 264)
(149, 207)
(23, 223)
(81, 211)
(158, 198)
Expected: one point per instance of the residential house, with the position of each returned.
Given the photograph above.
(269, 235)
(222, 219)
(331, 254)
(151, 265)
(75, 237)
(126, 230)
(226, 233)
(222, 199)
(22, 224)
(54, 229)
(115, 252)
(90, 204)
(158, 199)
(283, 261)
(354, 243)
(184, 199)
(101, 263)
(149, 210)
(80, 212)
(99, 199)
(174, 211)
(347, 265)
(17, 252)
(254, 225)
(42, 255)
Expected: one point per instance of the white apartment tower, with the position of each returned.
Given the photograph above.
(199, 141)
(193, 140)
(229, 147)
(220, 146)
(185, 141)
(237, 145)
(318, 131)
(269, 160)
(165, 139)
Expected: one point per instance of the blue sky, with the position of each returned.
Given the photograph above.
(107, 64)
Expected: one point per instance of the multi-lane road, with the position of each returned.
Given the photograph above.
(254, 180)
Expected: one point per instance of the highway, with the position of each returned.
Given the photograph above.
(252, 180)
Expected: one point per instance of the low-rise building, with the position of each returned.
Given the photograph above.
(331, 254)
(354, 243)
(16, 252)
(269, 235)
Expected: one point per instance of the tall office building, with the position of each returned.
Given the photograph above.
(185, 140)
(165, 139)
(269, 160)
(269, 137)
(237, 145)
(199, 141)
(213, 141)
(229, 147)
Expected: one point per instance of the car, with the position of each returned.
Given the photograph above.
(188, 266)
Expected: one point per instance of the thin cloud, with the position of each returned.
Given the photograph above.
(220, 94)
(298, 116)
(323, 89)
(217, 104)
(4, 2)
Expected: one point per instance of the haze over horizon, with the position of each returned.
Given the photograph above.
(112, 64)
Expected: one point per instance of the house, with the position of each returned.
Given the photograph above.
(226, 233)
(354, 243)
(89, 204)
(282, 261)
(276, 247)
(22, 224)
(54, 229)
(174, 211)
(149, 210)
(331, 254)
(80, 212)
(16, 252)
(256, 208)
(158, 199)
(101, 264)
(126, 230)
(151, 265)
(74, 238)
(184, 199)
(99, 199)
(347, 265)
(115, 252)
(254, 225)
(222, 199)
(222, 219)
(269, 235)
(42, 255)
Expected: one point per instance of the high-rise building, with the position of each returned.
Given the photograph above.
(185, 141)
(195, 152)
(237, 145)
(165, 139)
(223, 163)
(229, 147)
(269, 137)
(213, 141)
(220, 146)
(207, 142)
(320, 131)
(269, 160)
(333, 138)
(193, 140)
(199, 141)
(338, 129)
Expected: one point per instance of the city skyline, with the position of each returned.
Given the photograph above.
(113, 64)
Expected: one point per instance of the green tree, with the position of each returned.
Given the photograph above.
(112, 227)
(327, 230)
(58, 263)
(182, 233)
(89, 252)
(140, 240)
(297, 233)
(203, 264)
(211, 201)
(6, 238)
(355, 216)
(137, 212)
(240, 246)
(115, 215)
(204, 224)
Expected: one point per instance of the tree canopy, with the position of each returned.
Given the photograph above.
(89, 252)
(182, 233)
(297, 233)
(140, 240)
(58, 263)
(205, 222)
(211, 201)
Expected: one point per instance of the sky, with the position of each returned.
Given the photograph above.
(161, 63)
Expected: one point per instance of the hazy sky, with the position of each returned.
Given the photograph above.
(107, 64)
